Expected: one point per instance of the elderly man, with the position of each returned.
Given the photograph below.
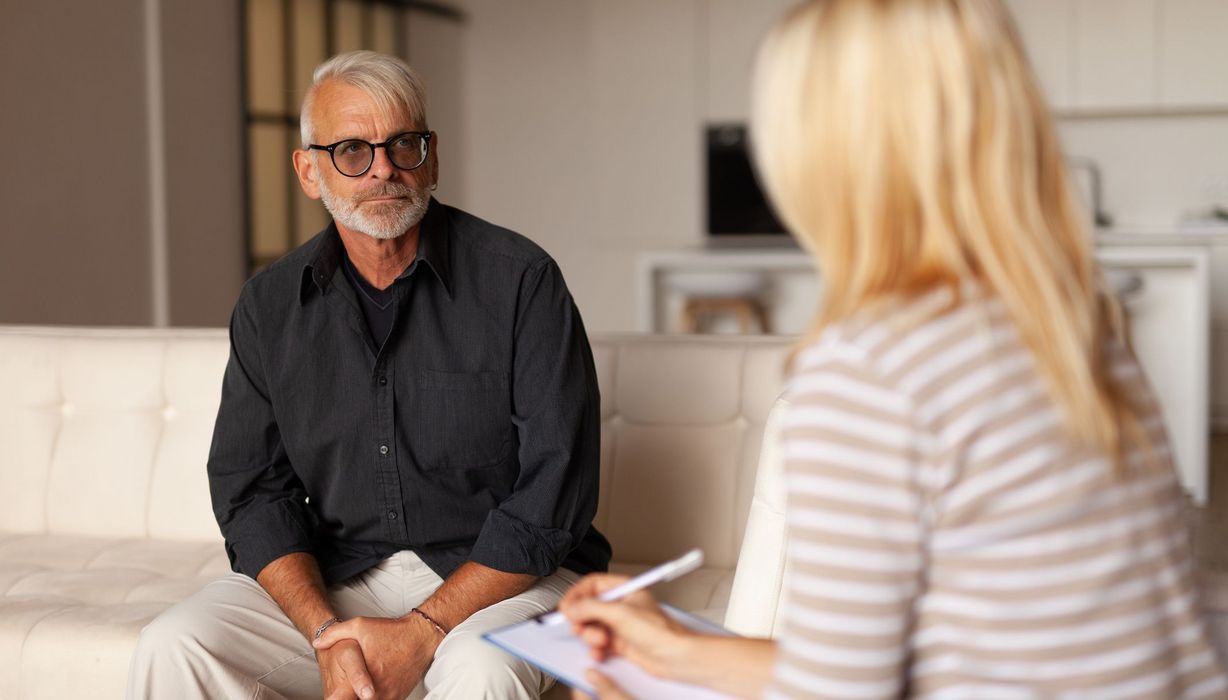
(406, 453)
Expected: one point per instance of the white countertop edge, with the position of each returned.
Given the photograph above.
(774, 258)
(1210, 234)
(717, 258)
(796, 257)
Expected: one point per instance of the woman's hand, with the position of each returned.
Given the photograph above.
(635, 627)
(606, 688)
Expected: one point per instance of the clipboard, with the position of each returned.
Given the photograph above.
(558, 652)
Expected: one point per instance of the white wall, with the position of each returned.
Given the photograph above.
(597, 108)
(583, 129)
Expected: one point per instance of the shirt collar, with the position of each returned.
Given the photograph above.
(434, 249)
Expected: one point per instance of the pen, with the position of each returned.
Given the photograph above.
(668, 571)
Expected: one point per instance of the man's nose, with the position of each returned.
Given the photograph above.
(381, 166)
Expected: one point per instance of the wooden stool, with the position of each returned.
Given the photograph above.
(747, 311)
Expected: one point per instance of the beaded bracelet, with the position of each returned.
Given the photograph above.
(431, 620)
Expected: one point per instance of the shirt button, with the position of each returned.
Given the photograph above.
(383, 381)
(392, 515)
(383, 449)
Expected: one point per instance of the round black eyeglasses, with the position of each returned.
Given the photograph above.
(353, 157)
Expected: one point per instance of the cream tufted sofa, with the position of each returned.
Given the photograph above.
(106, 518)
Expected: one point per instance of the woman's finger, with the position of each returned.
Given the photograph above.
(591, 586)
(617, 617)
(595, 636)
(606, 688)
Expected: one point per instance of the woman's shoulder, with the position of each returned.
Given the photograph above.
(880, 335)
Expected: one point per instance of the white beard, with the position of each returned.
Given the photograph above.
(383, 221)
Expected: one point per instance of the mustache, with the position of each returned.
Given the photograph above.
(387, 189)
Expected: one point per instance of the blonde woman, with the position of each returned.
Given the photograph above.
(981, 497)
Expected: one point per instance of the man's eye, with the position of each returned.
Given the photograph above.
(350, 148)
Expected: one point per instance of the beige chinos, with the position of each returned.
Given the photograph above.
(231, 640)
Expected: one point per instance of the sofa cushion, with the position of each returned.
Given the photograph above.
(100, 571)
(82, 651)
(75, 602)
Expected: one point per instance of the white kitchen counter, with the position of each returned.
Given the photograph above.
(1170, 315)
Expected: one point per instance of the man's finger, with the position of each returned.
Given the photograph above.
(333, 634)
(355, 669)
(341, 692)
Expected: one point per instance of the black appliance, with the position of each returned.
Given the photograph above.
(738, 212)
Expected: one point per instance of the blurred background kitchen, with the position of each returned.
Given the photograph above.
(147, 170)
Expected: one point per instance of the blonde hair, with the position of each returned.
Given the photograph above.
(387, 79)
(906, 144)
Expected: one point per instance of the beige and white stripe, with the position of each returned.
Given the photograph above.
(949, 540)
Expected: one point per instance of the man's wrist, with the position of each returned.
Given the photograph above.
(435, 625)
(323, 626)
(422, 630)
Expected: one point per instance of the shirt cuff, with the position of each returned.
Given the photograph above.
(272, 531)
(513, 546)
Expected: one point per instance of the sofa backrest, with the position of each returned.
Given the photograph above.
(755, 601)
(106, 432)
(682, 422)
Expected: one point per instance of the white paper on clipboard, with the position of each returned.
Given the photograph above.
(555, 650)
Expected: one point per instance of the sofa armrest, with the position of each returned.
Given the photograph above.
(754, 602)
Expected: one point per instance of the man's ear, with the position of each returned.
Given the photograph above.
(308, 174)
(432, 160)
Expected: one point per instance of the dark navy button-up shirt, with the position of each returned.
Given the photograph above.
(471, 434)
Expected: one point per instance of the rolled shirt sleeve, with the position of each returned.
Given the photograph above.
(556, 412)
(258, 500)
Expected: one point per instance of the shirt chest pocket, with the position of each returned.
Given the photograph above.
(460, 420)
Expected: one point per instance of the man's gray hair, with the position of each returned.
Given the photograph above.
(388, 80)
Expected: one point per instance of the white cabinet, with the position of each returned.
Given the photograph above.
(1193, 46)
(1170, 323)
(1115, 54)
(1047, 32)
(1127, 55)
(1089, 55)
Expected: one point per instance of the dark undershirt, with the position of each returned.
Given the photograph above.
(377, 304)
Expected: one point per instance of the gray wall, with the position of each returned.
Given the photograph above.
(76, 241)
(203, 106)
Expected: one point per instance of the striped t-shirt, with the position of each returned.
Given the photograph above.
(948, 539)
